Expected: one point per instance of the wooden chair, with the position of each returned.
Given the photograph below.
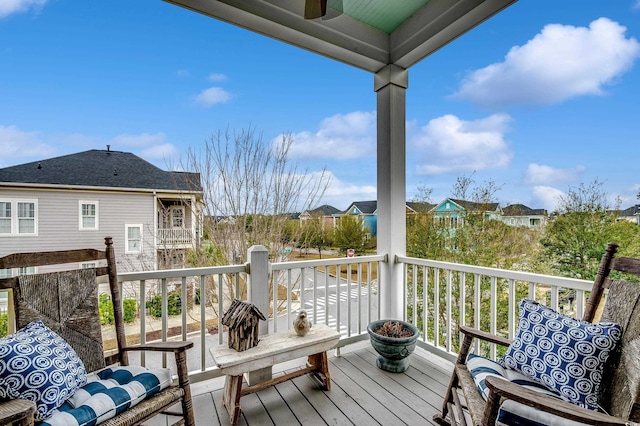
(69, 306)
(619, 390)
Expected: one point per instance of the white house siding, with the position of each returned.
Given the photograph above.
(58, 223)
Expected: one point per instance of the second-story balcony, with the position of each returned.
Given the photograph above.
(179, 237)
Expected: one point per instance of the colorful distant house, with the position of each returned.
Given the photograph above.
(451, 212)
(367, 211)
(76, 200)
(521, 215)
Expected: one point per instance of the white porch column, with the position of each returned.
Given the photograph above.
(258, 295)
(390, 84)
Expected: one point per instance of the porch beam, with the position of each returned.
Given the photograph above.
(390, 84)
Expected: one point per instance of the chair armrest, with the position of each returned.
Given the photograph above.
(173, 346)
(483, 335)
(471, 333)
(504, 389)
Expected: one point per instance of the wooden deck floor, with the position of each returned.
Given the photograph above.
(361, 394)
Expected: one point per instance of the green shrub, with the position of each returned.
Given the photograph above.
(106, 309)
(174, 304)
(130, 310)
(4, 321)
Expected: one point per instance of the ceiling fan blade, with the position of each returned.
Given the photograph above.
(315, 9)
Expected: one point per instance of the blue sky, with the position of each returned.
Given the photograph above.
(541, 98)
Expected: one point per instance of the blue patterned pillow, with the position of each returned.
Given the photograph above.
(565, 354)
(38, 365)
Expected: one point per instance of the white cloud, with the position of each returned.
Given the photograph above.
(212, 96)
(538, 174)
(8, 7)
(548, 197)
(340, 194)
(17, 146)
(636, 5)
(340, 137)
(450, 145)
(217, 77)
(560, 63)
(143, 140)
(165, 151)
(152, 147)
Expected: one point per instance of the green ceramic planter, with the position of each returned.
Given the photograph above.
(394, 352)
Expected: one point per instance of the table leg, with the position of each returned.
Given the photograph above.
(231, 397)
(321, 369)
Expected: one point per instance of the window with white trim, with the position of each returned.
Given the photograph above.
(26, 217)
(88, 265)
(5, 273)
(88, 214)
(26, 270)
(134, 238)
(5, 217)
(177, 216)
(18, 217)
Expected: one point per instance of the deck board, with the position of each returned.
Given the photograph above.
(361, 394)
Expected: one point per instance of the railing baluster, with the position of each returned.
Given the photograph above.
(415, 296)
(143, 319)
(477, 298)
(220, 308)
(165, 317)
(203, 324)
(492, 314)
(448, 310)
(512, 307)
(425, 302)
(436, 307)
(462, 281)
(348, 300)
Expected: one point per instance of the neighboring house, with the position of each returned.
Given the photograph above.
(418, 207)
(325, 212)
(74, 201)
(632, 214)
(521, 215)
(365, 210)
(451, 212)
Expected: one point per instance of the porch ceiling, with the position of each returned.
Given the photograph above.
(368, 34)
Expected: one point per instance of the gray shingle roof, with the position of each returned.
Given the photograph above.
(631, 211)
(473, 206)
(366, 207)
(325, 210)
(101, 168)
(522, 210)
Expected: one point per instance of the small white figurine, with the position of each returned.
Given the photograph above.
(302, 324)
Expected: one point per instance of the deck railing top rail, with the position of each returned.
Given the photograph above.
(572, 283)
(281, 266)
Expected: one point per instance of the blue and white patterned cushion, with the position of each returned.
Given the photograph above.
(38, 365)
(108, 393)
(565, 354)
(513, 413)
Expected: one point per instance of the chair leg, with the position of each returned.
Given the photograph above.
(183, 380)
(444, 418)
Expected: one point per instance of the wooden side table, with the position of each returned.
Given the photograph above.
(274, 349)
(20, 412)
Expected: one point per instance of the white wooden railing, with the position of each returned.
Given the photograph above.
(343, 293)
(441, 295)
(175, 236)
